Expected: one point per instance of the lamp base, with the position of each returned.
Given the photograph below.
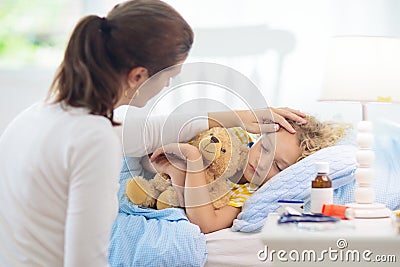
(369, 211)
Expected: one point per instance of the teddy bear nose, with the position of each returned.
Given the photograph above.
(214, 139)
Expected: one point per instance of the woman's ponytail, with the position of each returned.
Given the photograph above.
(102, 51)
(86, 77)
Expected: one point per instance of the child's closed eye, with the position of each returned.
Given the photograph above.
(277, 166)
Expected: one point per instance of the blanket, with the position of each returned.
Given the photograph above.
(148, 237)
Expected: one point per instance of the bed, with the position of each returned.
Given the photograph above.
(145, 237)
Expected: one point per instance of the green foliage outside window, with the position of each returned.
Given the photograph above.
(32, 32)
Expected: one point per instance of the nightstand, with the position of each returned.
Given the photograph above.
(362, 242)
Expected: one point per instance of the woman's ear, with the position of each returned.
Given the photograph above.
(137, 76)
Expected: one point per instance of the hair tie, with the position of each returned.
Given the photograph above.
(104, 26)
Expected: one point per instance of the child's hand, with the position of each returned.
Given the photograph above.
(175, 160)
(162, 164)
(177, 151)
(179, 154)
(176, 170)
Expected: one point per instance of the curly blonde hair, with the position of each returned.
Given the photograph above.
(316, 135)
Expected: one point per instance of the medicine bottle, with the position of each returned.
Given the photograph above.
(321, 188)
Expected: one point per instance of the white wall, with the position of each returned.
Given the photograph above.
(309, 22)
(312, 23)
(19, 89)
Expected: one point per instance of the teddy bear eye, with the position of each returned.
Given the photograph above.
(223, 150)
(211, 134)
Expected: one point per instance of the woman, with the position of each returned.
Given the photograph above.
(56, 156)
(267, 157)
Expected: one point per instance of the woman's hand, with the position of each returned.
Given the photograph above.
(257, 121)
(279, 116)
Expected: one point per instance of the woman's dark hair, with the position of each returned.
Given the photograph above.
(102, 51)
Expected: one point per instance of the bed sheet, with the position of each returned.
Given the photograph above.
(227, 249)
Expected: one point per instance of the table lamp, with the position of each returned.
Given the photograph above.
(363, 69)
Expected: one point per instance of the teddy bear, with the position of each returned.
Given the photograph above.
(224, 152)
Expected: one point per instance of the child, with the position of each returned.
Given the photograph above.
(267, 157)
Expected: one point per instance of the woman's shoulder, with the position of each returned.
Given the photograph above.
(82, 127)
(94, 128)
(79, 118)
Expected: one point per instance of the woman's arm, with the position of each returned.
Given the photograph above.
(142, 135)
(95, 161)
(258, 120)
(199, 208)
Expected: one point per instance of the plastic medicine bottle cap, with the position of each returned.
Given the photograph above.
(343, 212)
(322, 167)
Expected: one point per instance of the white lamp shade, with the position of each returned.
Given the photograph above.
(362, 69)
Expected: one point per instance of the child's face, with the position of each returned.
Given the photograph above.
(263, 163)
